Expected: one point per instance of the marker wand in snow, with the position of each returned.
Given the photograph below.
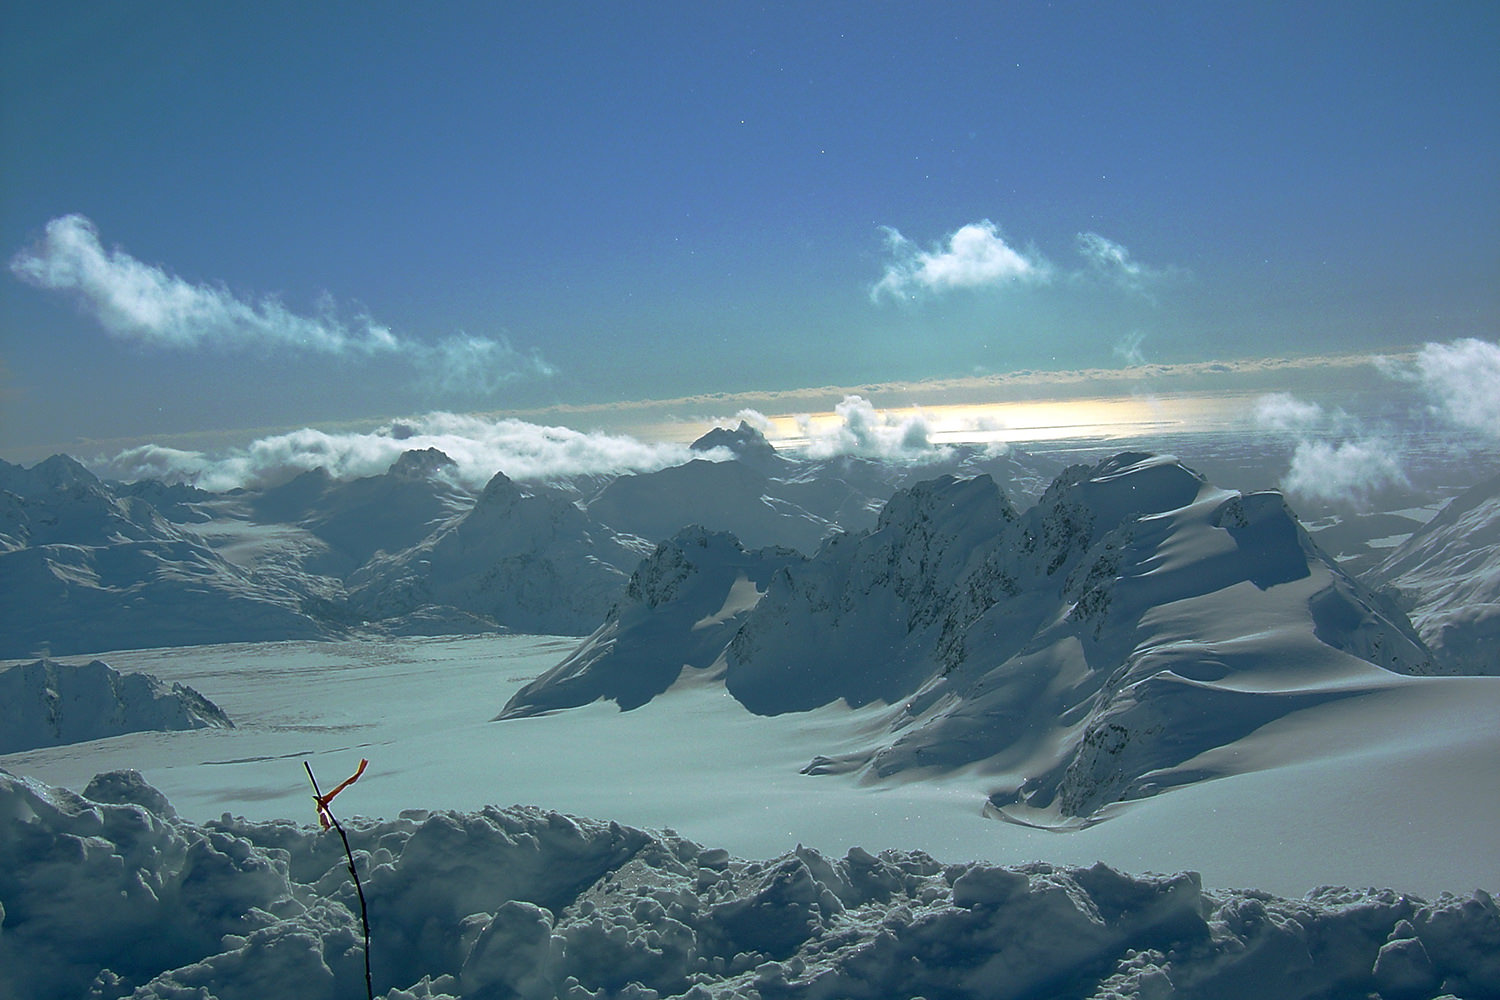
(327, 819)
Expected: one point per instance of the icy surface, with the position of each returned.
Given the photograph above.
(1406, 773)
(46, 703)
(108, 895)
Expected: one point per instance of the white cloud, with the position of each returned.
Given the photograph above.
(1463, 380)
(480, 447)
(975, 256)
(1350, 473)
(862, 430)
(755, 419)
(146, 304)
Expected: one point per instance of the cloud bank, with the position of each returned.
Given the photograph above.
(145, 304)
(975, 256)
(480, 447)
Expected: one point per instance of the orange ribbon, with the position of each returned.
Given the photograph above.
(324, 816)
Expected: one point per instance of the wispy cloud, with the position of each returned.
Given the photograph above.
(1128, 348)
(480, 447)
(1281, 411)
(146, 304)
(974, 256)
(1111, 261)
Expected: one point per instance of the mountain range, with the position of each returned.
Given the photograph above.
(88, 566)
(1097, 646)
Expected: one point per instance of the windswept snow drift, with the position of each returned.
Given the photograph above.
(108, 894)
(46, 704)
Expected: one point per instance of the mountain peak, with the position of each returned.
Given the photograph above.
(421, 463)
(60, 472)
(745, 441)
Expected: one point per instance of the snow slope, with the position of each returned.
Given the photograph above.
(1450, 571)
(1080, 653)
(108, 894)
(46, 703)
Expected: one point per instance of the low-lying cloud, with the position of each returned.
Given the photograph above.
(480, 447)
(1346, 473)
(146, 304)
(860, 429)
(1461, 380)
(1340, 460)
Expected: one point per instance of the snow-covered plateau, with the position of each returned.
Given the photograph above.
(950, 713)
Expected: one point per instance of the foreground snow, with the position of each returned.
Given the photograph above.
(109, 894)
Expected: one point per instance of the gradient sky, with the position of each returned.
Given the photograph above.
(222, 217)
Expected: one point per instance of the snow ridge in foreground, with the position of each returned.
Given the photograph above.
(108, 894)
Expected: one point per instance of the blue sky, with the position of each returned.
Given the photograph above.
(235, 217)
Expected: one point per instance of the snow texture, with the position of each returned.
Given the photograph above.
(45, 704)
(1084, 651)
(1450, 571)
(107, 894)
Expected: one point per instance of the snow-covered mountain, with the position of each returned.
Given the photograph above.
(533, 563)
(109, 894)
(83, 569)
(1449, 571)
(1084, 651)
(45, 704)
(681, 609)
(88, 566)
(766, 498)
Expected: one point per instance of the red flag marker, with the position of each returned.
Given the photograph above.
(324, 816)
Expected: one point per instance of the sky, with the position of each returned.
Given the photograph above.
(223, 223)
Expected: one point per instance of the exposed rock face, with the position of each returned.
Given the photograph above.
(680, 609)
